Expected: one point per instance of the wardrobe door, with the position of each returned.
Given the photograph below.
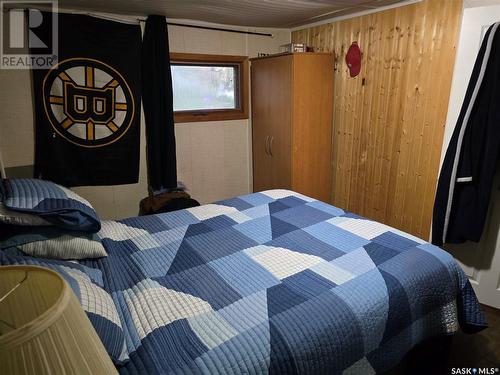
(312, 125)
(262, 169)
(271, 122)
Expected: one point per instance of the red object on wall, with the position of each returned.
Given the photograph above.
(353, 59)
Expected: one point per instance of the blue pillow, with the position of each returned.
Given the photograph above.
(52, 203)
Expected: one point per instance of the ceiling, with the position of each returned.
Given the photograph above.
(257, 13)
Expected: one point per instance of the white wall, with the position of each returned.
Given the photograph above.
(213, 158)
(480, 3)
(473, 19)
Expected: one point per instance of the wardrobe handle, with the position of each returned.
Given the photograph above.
(271, 146)
(267, 145)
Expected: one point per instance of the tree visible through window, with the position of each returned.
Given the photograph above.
(204, 87)
(209, 87)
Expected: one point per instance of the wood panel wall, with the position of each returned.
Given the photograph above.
(389, 121)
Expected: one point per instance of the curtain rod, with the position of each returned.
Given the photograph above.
(216, 28)
(111, 18)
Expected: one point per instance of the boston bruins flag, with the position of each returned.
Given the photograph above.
(87, 107)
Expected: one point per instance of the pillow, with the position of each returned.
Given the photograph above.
(95, 301)
(51, 242)
(48, 201)
(102, 313)
(19, 218)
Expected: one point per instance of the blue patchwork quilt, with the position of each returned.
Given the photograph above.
(274, 283)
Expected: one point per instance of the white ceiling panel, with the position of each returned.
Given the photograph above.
(257, 13)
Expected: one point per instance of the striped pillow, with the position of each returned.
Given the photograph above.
(52, 243)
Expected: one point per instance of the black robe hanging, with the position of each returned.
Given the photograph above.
(466, 179)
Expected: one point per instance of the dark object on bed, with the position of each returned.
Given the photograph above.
(166, 202)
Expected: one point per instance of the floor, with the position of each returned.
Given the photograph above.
(481, 350)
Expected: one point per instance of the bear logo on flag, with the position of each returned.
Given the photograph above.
(88, 102)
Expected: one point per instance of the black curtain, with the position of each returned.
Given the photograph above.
(157, 99)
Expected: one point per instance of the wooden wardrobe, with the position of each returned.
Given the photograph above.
(292, 111)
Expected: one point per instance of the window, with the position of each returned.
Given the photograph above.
(209, 87)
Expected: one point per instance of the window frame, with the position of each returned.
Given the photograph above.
(241, 87)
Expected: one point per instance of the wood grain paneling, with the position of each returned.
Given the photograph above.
(389, 121)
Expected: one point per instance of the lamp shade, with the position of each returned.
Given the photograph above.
(43, 328)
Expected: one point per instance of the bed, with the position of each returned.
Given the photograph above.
(271, 283)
